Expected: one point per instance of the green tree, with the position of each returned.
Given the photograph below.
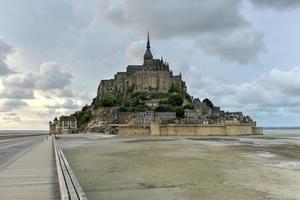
(108, 101)
(189, 106)
(83, 117)
(175, 88)
(188, 97)
(175, 100)
(84, 108)
(179, 111)
(208, 102)
(127, 103)
(164, 108)
(130, 89)
(140, 108)
(87, 116)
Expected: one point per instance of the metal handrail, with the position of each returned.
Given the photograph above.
(69, 185)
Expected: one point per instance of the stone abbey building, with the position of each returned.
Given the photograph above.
(153, 75)
(149, 100)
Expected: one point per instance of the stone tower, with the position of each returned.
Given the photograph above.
(148, 54)
(152, 76)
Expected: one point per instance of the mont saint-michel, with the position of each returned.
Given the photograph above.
(148, 99)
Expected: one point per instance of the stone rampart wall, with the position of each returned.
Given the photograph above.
(156, 129)
(257, 130)
(133, 131)
(191, 130)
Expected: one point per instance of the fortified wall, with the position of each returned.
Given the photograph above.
(156, 129)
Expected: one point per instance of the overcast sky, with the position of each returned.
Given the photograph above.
(242, 54)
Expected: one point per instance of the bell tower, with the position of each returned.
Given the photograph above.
(148, 54)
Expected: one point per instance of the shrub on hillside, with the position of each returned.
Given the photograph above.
(208, 102)
(108, 101)
(179, 111)
(175, 99)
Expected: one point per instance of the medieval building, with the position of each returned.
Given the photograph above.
(148, 99)
(63, 125)
(153, 75)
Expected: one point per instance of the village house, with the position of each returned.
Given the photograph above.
(65, 124)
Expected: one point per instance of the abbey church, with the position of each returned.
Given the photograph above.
(148, 99)
(153, 75)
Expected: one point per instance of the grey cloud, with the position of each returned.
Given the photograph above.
(50, 80)
(175, 17)
(17, 93)
(277, 4)
(270, 92)
(13, 104)
(50, 112)
(286, 82)
(53, 81)
(45, 23)
(26, 80)
(5, 49)
(52, 77)
(67, 104)
(65, 92)
(18, 86)
(216, 26)
(205, 86)
(250, 93)
(242, 46)
(4, 70)
(104, 64)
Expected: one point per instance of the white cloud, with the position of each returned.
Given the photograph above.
(270, 92)
(5, 50)
(134, 53)
(11, 117)
(285, 82)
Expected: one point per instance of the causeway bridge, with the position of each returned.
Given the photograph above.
(34, 167)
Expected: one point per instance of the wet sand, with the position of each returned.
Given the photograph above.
(261, 167)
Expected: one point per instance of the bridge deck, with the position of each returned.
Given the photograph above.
(32, 176)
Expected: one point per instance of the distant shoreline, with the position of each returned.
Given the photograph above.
(5, 133)
(282, 128)
(18, 130)
(46, 131)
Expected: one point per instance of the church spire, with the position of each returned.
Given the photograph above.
(148, 54)
(148, 41)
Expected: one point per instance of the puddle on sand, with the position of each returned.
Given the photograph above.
(265, 154)
(287, 165)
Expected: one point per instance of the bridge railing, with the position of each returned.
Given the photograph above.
(70, 188)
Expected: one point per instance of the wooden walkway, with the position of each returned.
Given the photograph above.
(32, 176)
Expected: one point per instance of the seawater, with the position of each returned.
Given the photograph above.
(282, 131)
(22, 132)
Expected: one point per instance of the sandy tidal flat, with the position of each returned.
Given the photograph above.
(166, 168)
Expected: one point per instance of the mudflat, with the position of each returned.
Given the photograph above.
(261, 167)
